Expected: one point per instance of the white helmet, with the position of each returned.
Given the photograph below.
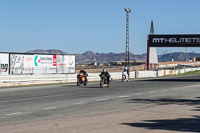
(125, 68)
(104, 70)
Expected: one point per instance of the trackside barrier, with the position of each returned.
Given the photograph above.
(175, 72)
(144, 74)
(132, 75)
(160, 73)
(167, 72)
(182, 71)
(20, 80)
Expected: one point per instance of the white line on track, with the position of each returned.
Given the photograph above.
(16, 113)
(152, 91)
(78, 103)
(101, 100)
(122, 96)
(49, 108)
(138, 94)
(32, 98)
(194, 86)
(164, 90)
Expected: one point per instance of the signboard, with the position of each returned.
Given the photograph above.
(38, 64)
(44, 64)
(4, 63)
(70, 63)
(28, 64)
(21, 64)
(178, 40)
(45, 60)
(65, 63)
(16, 63)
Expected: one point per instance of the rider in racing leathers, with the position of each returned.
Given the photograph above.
(127, 71)
(84, 73)
(107, 75)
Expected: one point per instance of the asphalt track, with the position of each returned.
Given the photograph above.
(37, 103)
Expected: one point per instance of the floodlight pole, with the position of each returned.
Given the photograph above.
(127, 58)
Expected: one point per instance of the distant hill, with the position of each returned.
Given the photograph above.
(50, 51)
(177, 56)
(89, 56)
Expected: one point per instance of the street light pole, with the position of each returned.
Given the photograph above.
(127, 10)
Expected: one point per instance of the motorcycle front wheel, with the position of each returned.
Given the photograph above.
(85, 83)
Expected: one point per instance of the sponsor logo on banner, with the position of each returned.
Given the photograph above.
(70, 61)
(36, 61)
(45, 60)
(54, 60)
(4, 68)
(174, 40)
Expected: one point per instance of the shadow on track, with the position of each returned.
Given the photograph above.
(179, 124)
(164, 101)
(182, 124)
(174, 80)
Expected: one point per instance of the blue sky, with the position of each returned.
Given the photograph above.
(76, 26)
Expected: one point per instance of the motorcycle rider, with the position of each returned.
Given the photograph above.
(84, 73)
(105, 72)
(127, 71)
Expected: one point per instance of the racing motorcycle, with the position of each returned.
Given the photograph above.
(104, 81)
(125, 77)
(81, 79)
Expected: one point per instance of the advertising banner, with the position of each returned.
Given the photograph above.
(61, 64)
(4, 63)
(28, 64)
(21, 64)
(44, 64)
(65, 63)
(70, 63)
(40, 64)
(177, 40)
(16, 63)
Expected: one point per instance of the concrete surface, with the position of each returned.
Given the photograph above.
(170, 104)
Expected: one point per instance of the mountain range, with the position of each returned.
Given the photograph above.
(89, 56)
(50, 51)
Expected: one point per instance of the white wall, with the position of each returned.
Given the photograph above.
(144, 74)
